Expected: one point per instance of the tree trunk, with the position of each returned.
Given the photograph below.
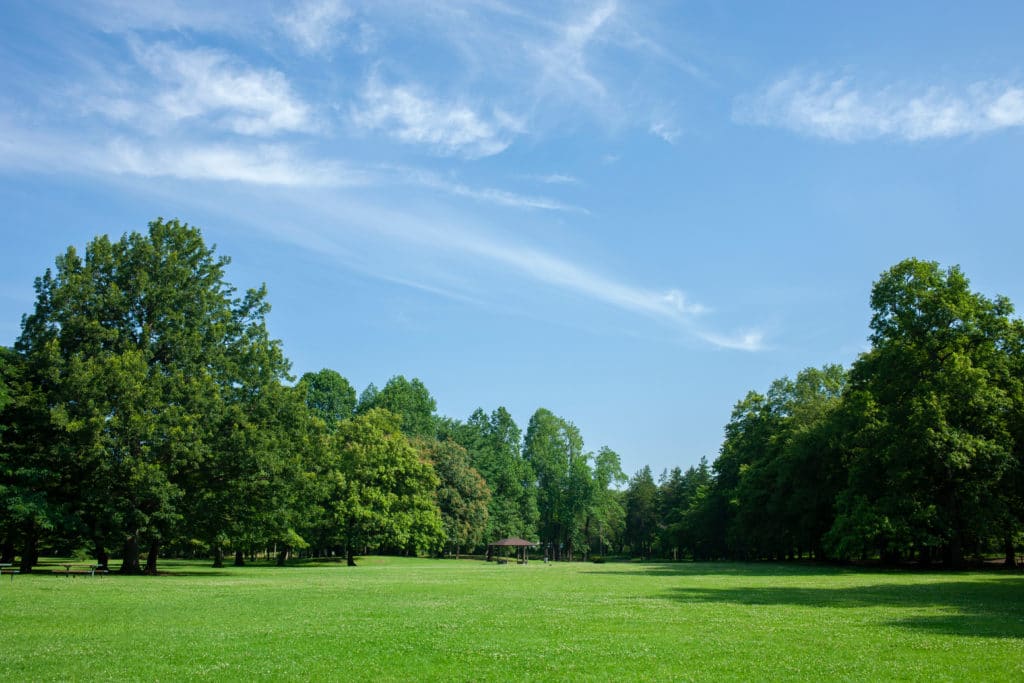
(30, 553)
(239, 558)
(154, 551)
(130, 558)
(283, 555)
(1009, 552)
(955, 552)
(102, 558)
(7, 553)
(350, 556)
(218, 556)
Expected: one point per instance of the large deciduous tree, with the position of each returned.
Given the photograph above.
(934, 443)
(462, 494)
(137, 348)
(385, 493)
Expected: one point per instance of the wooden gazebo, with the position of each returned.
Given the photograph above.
(513, 542)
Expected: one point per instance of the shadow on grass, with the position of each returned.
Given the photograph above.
(969, 608)
(722, 569)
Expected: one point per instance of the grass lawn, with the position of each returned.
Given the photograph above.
(399, 619)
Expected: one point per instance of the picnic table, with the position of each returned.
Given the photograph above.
(5, 568)
(75, 569)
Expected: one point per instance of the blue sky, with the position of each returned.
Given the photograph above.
(628, 213)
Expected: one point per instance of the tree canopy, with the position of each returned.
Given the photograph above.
(145, 406)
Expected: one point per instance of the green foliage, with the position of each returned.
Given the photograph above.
(916, 452)
(410, 400)
(328, 395)
(933, 442)
(139, 350)
(384, 492)
(462, 494)
(494, 444)
(145, 404)
(554, 449)
(642, 520)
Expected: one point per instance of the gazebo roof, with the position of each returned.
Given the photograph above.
(517, 542)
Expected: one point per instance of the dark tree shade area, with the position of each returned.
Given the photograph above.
(145, 410)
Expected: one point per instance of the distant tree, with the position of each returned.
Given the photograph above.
(462, 494)
(494, 443)
(642, 513)
(367, 399)
(687, 528)
(554, 449)
(384, 491)
(410, 400)
(779, 468)
(328, 395)
(606, 518)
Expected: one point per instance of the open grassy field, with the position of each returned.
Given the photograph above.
(399, 619)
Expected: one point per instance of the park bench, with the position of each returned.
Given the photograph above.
(81, 570)
(6, 568)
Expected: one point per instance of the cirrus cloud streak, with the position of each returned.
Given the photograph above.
(838, 109)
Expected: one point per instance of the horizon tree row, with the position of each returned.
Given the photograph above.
(145, 407)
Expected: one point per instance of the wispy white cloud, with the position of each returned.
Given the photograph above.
(315, 25)
(564, 62)
(205, 82)
(745, 341)
(544, 267)
(268, 164)
(665, 131)
(490, 195)
(273, 165)
(837, 109)
(557, 179)
(259, 165)
(448, 128)
(317, 229)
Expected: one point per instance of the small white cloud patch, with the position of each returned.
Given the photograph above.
(315, 26)
(837, 109)
(449, 128)
(208, 83)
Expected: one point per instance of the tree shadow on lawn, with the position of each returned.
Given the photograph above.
(806, 568)
(969, 608)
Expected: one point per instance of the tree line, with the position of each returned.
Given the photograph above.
(145, 410)
(914, 453)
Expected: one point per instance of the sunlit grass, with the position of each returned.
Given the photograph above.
(405, 619)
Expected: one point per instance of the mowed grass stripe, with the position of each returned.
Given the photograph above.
(402, 619)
